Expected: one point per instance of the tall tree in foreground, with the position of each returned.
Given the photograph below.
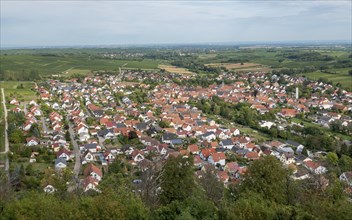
(177, 181)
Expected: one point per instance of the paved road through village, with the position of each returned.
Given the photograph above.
(76, 149)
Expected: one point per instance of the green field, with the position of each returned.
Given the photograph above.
(12, 90)
(61, 63)
(32, 63)
(343, 78)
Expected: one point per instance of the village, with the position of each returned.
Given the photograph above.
(88, 123)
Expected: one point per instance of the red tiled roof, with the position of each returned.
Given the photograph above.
(207, 152)
(92, 168)
(218, 156)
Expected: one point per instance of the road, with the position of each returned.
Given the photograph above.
(76, 149)
(7, 165)
(25, 108)
(87, 111)
(44, 125)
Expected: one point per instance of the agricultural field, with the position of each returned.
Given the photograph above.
(231, 66)
(249, 67)
(37, 63)
(343, 78)
(174, 69)
(22, 90)
(56, 64)
(73, 71)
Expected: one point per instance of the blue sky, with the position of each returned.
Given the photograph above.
(59, 23)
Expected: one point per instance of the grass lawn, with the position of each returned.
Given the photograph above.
(254, 133)
(339, 77)
(40, 167)
(2, 157)
(12, 90)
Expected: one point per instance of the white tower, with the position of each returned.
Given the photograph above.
(297, 93)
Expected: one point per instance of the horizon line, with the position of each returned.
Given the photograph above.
(235, 43)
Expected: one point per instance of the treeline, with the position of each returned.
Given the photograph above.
(194, 65)
(294, 71)
(306, 56)
(24, 75)
(173, 192)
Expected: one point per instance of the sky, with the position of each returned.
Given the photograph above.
(65, 23)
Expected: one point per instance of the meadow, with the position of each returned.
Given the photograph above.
(13, 89)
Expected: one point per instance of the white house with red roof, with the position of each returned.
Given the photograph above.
(193, 149)
(14, 102)
(217, 158)
(64, 153)
(137, 156)
(32, 141)
(315, 167)
(89, 183)
(93, 171)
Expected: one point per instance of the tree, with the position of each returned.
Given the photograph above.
(332, 158)
(164, 124)
(16, 136)
(350, 72)
(267, 177)
(90, 120)
(214, 189)
(345, 163)
(67, 136)
(250, 206)
(177, 181)
(34, 130)
(149, 186)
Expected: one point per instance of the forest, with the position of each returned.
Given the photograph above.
(171, 191)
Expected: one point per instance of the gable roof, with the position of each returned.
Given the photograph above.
(89, 180)
(32, 139)
(63, 151)
(218, 156)
(227, 142)
(207, 152)
(60, 160)
(293, 143)
(92, 168)
(193, 148)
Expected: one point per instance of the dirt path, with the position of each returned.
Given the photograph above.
(7, 165)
